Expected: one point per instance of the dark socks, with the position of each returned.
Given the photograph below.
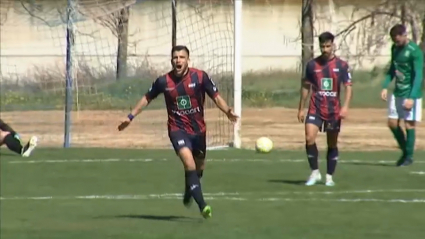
(13, 143)
(312, 155)
(193, 184)
(399, 136)
(200, 173)
(410, 143)
(332, 160)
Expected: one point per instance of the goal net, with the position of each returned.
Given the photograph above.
(119, 47)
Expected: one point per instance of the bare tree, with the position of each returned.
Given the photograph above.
(369, 25)
(122, 35)
(307, 32)
(116, 21)
(113, 15)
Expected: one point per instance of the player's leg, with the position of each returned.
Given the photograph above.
(332, 132)
(395, 113)
(11, 140)
(199, 152)
(312, 126)
(411, 118)
(183, 148)
(5, 127)
(199, 143)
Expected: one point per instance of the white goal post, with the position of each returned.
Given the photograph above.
(237, 72)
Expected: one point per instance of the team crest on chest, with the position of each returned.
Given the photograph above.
(407, 54)
(183, 102)
(326, 84)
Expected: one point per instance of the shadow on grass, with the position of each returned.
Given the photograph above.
(169, 218)
(287, 181)
(371, 164)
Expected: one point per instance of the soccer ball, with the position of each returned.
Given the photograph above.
(263, 145)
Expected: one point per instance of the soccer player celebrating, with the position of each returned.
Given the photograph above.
(12, 140)
(406, 101)
(323, 78)
(184, 91)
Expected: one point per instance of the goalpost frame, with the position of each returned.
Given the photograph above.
(237, 68)
(237, 72)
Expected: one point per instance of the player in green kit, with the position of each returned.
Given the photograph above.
(406, 101)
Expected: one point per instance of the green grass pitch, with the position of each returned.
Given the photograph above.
(111, 193)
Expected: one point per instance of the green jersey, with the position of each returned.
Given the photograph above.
(406, 68)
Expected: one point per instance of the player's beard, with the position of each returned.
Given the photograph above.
(327, 55)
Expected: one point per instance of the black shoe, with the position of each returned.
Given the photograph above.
(400, 161)
(407, 162)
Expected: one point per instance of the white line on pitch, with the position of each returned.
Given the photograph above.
(147, 160)
(419, 173)
(210, 195)
(226, 198)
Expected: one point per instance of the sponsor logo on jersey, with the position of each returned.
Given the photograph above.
(187, 112)
(184, 106)
(326, 87)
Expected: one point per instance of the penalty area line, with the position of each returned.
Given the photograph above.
(224, 160)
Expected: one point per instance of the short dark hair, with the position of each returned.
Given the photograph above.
(180, 48)
(326, 36)
(397, 30)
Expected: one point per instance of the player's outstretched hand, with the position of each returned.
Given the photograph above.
(301, 116)
(384, 94)
(232, 116)
(124, 123)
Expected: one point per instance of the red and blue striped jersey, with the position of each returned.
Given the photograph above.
(184, 99)
(326, 78)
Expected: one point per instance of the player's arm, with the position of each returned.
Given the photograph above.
(305, 87)
(212, 91)
(418, 64)
(153, 92)
(389, 76)
(346, 79)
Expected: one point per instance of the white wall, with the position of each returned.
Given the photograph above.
(271, 38)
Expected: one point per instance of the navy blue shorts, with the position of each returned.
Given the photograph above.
(324, 125)
(196, 143)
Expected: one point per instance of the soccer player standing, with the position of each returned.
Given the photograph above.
(184, 91)
(323, 77)
(406, 101)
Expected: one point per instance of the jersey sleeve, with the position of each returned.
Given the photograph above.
(156, 88)
(209, 86)
(308, 75)
(418, 64)
(346, 75)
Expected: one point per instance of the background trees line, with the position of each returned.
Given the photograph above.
(374, 23)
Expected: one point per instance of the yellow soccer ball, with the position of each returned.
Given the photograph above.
(263, 145)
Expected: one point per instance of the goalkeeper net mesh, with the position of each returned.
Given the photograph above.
(137, 36)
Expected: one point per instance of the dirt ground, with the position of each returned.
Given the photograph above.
(365, 129)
